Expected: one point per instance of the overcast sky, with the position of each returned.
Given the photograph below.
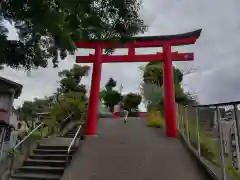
(217, 51)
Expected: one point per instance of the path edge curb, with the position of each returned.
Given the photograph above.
(200, 161)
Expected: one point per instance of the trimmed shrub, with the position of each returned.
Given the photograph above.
(155, 119)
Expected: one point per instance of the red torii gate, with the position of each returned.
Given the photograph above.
(138, 42)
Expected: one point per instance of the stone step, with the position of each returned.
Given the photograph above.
(48, 160)
(50, 147)
(47, 163)
(71, 136)
(49, 151)
(72, 132)
(50, 157)
(34, 176)
(42, 169)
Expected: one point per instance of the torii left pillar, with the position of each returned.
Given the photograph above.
(94, 97)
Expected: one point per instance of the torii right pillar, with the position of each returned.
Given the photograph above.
(168, 81)
(169, 93)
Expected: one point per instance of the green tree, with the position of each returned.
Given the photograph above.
(30, 108)
(42, 105)
(153, 95)
(68, 111)
(41, 39)
(70, 98)
(153, 74)
(131, 101)
(66, 106)
(110, 84)
(27, 111)
(110, 96)
(71, 79)
(108, 87)
(103, 94)
(111, 99)
(153, 84)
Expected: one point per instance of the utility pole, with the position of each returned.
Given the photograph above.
(121, 88)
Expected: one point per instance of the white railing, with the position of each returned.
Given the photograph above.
(73, 143)
(204, 128)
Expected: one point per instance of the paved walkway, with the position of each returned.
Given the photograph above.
(132, 152)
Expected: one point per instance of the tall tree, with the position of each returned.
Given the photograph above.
(71, 100)
(110, 96)
(111, 99)
(30, 108)
(41, 39)
(103, 94)
(153, 83)
(153, 74)
(71, 79)
(153, 95)
(110, 84)
(68, 111)
(27, 111)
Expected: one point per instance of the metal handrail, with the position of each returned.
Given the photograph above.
(2, 141)
(26, 137)
(20, 143)
(72, 143)
(73, 140)
(70, 115)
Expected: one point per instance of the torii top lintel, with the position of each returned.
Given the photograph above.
(145, 41)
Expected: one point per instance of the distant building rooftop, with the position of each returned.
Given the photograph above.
(7, 84)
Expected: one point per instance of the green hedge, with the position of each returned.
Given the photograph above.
(105, 115)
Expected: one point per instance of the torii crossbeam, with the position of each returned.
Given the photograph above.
(138, 42)
(134, 58)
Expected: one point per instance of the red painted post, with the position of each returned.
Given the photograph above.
(94, 94)
(116, 115)
(169, 94)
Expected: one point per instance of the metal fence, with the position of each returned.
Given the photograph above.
(212, 132)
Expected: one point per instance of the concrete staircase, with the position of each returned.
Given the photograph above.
(48, 161)
(71, 133)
